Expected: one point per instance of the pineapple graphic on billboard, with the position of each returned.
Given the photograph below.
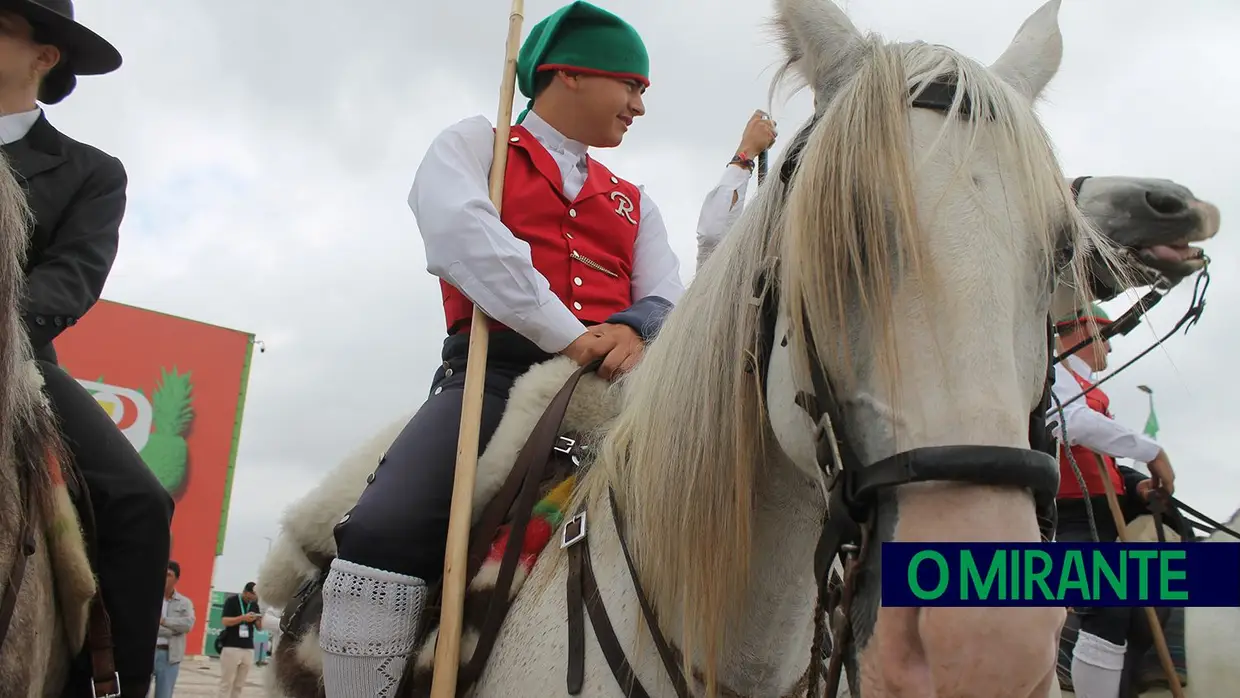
(166, 452)
(156, 426)
(176, 389)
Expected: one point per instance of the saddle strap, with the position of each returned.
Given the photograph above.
(582, 586)
(665, 651)
(527, 472)
(104, 677)
(581, 583)
(539, 444)
(18, 573)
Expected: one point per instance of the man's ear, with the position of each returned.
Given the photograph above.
(49, 57)
(569, 81)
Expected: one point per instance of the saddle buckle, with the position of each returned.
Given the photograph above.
(574, 531)
(116, 681)
(570, 448)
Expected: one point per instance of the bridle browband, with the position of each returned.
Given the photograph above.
(853, 487)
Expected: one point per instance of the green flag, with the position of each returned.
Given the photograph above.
(1151, 422)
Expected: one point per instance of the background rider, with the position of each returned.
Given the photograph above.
(1093, 435)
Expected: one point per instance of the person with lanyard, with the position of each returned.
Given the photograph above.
(1093, 436)
(241, 617)
(578, 264)
(77, 195)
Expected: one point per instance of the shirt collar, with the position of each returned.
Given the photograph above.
(14, 127)
(552, 139)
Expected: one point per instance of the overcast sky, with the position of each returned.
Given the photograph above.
(271, 144)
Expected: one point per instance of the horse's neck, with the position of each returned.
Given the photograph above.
(770, 647)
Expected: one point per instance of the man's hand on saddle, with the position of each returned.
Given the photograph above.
(1162, 477)
(618, 345)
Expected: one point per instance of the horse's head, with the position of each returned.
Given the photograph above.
(927, 225)
(1155, 220)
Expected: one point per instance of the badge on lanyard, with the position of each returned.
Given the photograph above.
(243, 630)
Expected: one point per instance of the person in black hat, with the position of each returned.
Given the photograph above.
(77, 196)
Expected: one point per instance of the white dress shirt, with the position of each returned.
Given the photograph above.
(720, 209)
(1091, 429)
(14, 127)
(469, 247)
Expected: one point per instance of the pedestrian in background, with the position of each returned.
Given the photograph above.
(241, 618)
(175, 622)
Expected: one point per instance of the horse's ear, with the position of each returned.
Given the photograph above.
(815, 35)
(1033, 57)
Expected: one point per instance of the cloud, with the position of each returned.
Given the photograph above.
(271, 145)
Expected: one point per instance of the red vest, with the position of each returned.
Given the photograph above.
(583, 247)
(1086, 459)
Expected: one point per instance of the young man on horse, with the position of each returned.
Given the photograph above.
(1093, 437)
(577, 264)
(77, 195)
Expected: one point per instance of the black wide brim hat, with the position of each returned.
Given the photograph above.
(83, 51)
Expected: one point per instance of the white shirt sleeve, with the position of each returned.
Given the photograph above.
(1094, 430)
(469, 247)
(656, 269)
(720, 209)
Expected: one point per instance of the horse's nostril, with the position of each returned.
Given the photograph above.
(1166, 204)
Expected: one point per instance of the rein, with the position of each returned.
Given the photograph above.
(1128, 322)
(1204, 524)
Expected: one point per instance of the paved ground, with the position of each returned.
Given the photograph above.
(201, 677)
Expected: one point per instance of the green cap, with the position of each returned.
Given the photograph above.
(585, 39)
(1094, 312)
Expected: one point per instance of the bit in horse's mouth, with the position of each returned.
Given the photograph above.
(1175, 254)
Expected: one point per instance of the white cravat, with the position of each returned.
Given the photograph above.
(14, 127)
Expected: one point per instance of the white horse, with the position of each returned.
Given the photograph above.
(1212, 638)
(920, 248)
(51, 582)
(1118, 206)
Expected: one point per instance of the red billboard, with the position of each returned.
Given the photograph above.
(176, 389)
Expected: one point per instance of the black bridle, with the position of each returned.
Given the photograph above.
(853, 487)
(1132, 317)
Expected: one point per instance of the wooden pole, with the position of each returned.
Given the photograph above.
(1160, 641)
(448, 646)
